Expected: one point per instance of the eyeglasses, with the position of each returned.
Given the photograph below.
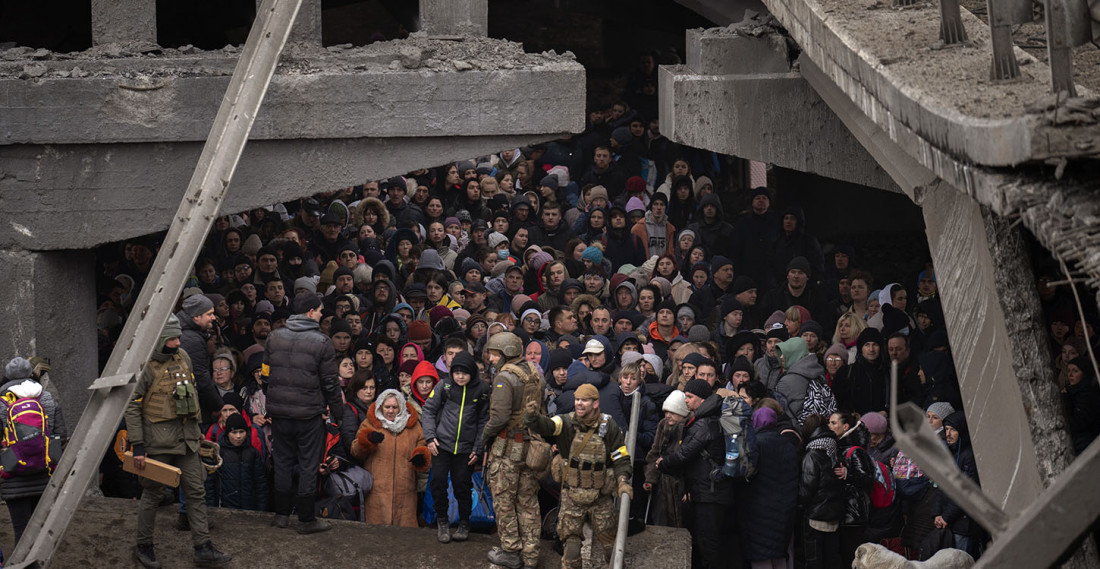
(221, 369)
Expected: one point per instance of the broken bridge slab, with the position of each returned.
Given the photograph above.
(416, 87)
(889, 63)
(738, 94)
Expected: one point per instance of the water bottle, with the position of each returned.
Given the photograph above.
(732, 454)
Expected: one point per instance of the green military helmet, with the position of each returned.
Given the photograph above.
(506, 343)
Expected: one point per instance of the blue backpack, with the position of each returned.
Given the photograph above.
(740, 438)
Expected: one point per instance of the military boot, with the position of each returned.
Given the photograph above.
(206, 555)
(144, 555)
(462, 533)
(315, 526)
(509, 559)
(444, 534)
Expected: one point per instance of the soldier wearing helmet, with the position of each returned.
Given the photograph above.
(514, 486)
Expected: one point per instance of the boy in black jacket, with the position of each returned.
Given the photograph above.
(454, 415)
(242, 480)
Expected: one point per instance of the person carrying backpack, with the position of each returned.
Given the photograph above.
(455, 413)
(858, 473)
(23, 403)
(714, 541)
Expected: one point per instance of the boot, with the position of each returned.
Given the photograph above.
(207, 555)
(182, 523)
(284, 503)
(144, 555)
(444, 530)
(315, 526)
(462, 533)
(509, 559)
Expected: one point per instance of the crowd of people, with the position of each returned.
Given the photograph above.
(602, 266)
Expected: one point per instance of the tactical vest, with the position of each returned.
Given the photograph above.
(172, 394)
(529, 379)
(587, 465)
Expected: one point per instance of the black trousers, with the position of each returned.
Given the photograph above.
(820, 550)
(444, 464)
(715, 544)
(21, 510)
(298, 448)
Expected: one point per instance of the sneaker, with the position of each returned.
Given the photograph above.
(280, 521)
(509, 559)
(182, 523)
(462, 533)
(444, 534)
(316, 526)
(144, 555)
(208, 556)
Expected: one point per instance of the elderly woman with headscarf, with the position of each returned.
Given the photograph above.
(390, 444)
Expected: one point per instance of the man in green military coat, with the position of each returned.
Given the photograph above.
(162, 422)
(596, 467)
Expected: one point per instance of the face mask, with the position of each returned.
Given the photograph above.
(169, 351)
(651, 378)
(502, 254)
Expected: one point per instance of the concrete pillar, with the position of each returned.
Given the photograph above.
(454, 17)
(123, 20)
(983, 350)
(307, 25)
(50, 312)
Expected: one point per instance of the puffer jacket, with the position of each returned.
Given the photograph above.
(302, 377)
(454, 415)
(769, 371)
(32, 484)
(699, 454)
(796, 382)
(861, 474)
(820, 492)
(242, 480)
(193, 341)
(355, 412)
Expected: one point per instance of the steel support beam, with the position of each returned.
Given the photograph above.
(192, 222)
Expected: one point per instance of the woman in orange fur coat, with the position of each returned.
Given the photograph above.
(390, 443)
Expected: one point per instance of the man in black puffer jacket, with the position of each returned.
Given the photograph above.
(300, 366)
(821, 497)
(715, 542)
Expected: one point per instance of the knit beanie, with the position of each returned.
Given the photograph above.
(718, 261)
(594, 254)
(874, 422)
(698, 388)
(837, 350)
(699, 333)
(730, 304)
(559, 358)
(197, 305)
(799, 263)
(539, 259)
(236, 422)
(586, 391)
(339, 325)
(742, 364)
(18, 368)
(495, 239)
(675, 404)
(741, 284)
(438, 313)
(419, 331)
(463, 361)
(812, 326)
(941, 409)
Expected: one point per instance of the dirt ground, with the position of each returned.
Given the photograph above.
(102, 535)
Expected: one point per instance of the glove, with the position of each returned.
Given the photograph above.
(625, 488)
(532, 408)
(376, 437)
(418, 460)
(139, 450)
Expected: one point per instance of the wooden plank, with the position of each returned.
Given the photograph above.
(154, 470)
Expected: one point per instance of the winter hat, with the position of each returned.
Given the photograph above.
(233, 399)
(741, 284)
(236, 422)
(630, 357)
(559, 358)
(408, 366)
(837, 350)
(699, 333)
(463, 361)
(694, 358)
(419, 331)
(518, 301)
(777, 317)
(675, 404)
(539, 259)
(812, 326)
(778, 331)
(669, 305)
(658, 197)
(635, 204)
(799, 263)
(586, 391)
(416, 290)
(663, 284)
(685, 310)
(941, 409)
(594, 254)
(718, 261)
(305, 283)
(698, 388)
(438, 313)
(495, 239)
(730, 304)
(742, 364)
(597, 192)
(764, 417)
(622, 135)
(500, 268)
(550, 181)
(197, 305)
(761, 191)
(702, 181)
(339, 325)
(870, 335)
(19, 368)
(252, 245)
(571, 283)
(874, 422)
(461, 314)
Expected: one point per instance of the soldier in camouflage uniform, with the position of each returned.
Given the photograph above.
(162, 420)
(514, 486)
(591, 445)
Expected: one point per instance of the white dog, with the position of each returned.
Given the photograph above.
(875, 556)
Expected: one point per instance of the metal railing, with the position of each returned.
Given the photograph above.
(618, 553)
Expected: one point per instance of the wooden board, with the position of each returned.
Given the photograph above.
(155, 470)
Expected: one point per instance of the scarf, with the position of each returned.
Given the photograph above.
(827, 444)
(398, 424)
